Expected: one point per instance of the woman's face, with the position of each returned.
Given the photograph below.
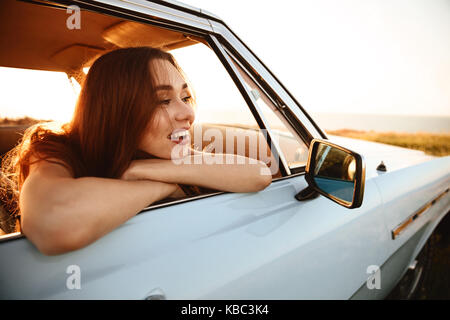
(168, 136)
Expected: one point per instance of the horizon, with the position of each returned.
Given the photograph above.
(325, 121)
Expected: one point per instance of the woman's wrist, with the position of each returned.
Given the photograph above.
(148, 169)
(137, 171)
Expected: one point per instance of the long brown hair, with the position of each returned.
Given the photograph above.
(114, 108)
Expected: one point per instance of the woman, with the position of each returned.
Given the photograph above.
(117, 155)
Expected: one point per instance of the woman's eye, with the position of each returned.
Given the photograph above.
(166, 102)
(187, 99)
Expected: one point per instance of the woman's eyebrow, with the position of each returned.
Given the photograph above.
(168, 87)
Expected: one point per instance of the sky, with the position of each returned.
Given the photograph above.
(38, 94)
(350, 56)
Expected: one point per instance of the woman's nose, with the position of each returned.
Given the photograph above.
(184, 112)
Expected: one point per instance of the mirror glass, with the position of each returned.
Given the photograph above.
(334, 172)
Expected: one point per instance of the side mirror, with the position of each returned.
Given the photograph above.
(336, 172)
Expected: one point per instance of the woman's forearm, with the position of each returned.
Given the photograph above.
(77, 212)
(229, 172)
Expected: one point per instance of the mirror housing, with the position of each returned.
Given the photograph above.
(336, 172)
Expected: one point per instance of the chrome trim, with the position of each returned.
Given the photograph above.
(408, 221)
(132, 10)
(153, 8)
(180, 4)
(169, 203)
(11, 236)
(413, 265)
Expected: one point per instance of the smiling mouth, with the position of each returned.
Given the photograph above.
(179, 136)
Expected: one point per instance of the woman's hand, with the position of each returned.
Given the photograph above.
(179, 193)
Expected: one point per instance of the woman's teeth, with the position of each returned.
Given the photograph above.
(178, 136)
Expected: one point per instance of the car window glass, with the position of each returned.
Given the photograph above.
(294, 149)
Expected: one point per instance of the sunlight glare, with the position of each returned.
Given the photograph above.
(45, 95)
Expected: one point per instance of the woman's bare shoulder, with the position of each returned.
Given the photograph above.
(50, 167)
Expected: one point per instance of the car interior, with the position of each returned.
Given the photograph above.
(32, 38)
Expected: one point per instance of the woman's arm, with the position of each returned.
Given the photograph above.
(226, 172)
(60, 213)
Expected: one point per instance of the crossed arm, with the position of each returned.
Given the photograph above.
(60, 213)
(223, 172)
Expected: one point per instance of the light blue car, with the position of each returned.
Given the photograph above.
(333, 224)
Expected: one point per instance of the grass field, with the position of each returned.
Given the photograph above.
(19, 121)
(436, 144)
